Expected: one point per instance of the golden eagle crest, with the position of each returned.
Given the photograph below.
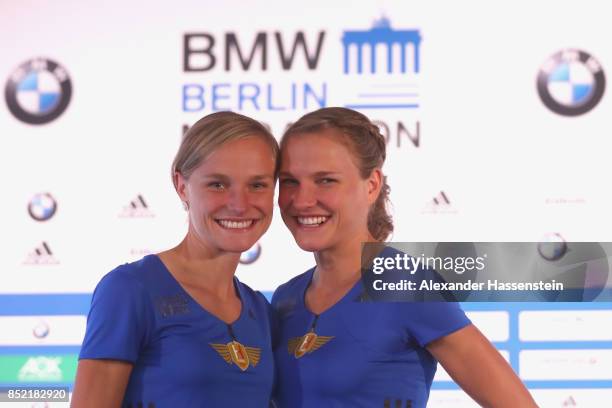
(238, 354)
(298, 346)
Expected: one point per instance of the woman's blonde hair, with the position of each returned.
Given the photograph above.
(212, 131)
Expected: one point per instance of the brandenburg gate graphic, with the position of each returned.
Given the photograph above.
(381, 33)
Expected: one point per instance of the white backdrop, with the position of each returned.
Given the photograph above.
(502, 166)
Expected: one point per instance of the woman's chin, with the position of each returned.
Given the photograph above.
(310, 245)
(237, 247)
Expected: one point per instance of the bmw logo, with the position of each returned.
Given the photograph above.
(41, 330)
(42, 207)
(38, 91)
(571, 82)
(251, 255)
(553, 247)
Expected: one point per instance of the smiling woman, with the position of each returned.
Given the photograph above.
(334, 348)
(229, 205)
(177, 329)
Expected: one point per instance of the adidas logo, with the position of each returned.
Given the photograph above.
(137, 208)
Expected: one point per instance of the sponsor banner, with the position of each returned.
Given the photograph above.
(595, 364)
(494, 325)
(392, 64)
(567, 325)
(470, 132)
(450, 399)
(15, 369)
(42, 330)
(569, 398)
(550, 271)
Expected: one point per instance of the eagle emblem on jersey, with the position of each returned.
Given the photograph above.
(298, 346)
(234, 352)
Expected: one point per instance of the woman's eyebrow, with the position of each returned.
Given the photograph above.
(216, 176)
(262, 177)
(326, 173)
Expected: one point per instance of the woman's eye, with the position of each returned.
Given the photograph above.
(288, 182)
(259, 186)
(216, 185)
(327, 181)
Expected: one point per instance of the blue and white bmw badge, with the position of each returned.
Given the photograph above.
(38, 91)
(571, 82)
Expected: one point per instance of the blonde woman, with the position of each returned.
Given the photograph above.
(177, 329)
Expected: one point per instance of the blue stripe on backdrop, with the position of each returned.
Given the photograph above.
(38, 350)
(78, 304)
(60, 304)
(535, 385)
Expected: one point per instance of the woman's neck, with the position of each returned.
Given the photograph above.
(194, 265)
(339, 266)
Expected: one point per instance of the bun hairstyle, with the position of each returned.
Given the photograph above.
(368, 146)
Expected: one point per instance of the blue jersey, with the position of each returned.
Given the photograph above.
(357, 353)
(183, 356)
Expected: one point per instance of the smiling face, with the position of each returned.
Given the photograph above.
(230, 195)
(323, 199)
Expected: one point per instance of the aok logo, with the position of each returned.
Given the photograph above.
(41, 369)
(201, 51)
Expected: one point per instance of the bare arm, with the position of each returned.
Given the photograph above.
(100, 383)
(472, 361)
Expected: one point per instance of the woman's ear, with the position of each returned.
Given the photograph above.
(375, 182)
(180, 185)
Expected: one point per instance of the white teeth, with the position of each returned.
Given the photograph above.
(235, 224)
(311, 220)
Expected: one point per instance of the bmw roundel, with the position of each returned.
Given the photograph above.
(571, 82)
(42, 207)
(553, 247)
(251, 255)
(41, 330)
(38, 91)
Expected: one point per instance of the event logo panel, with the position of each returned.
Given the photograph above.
(285, 75)
(571, 82)
(38, 91)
